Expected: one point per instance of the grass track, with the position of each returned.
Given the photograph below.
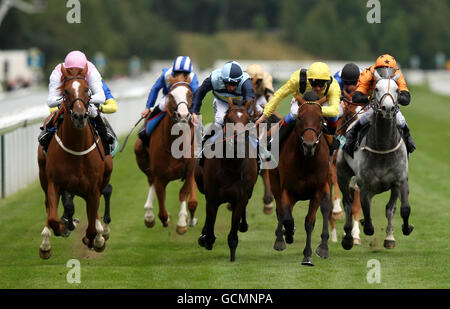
(137, 257)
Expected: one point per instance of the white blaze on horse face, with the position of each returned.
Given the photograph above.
(180, 96)
(76, 86)
(239, 114)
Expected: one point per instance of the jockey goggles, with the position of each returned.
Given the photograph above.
(318, 82)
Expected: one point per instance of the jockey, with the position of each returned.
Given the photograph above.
(365, 87)
(101, 96)
(227, 82)
(318, 79)
(262, 85)
(181, 65)
(347, 79)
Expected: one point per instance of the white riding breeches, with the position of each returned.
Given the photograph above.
(366, 117)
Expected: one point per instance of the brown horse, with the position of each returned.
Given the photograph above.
(302, 174)
(75, 162)
(160, 166)
(350, 112)
(227, 179)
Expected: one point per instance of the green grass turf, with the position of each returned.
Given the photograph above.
(138, 257)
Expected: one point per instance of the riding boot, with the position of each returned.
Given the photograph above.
(45, 136)
(107, 140)
(156, 110)
(350, 139)
(142, 134)
(333, 143)
(409, 142)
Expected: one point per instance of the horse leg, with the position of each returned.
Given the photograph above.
(237, 214)
(207, 238)
(149, 217)
(192, 203)
(333, 228)
(160, 189)
(185, 190)
(344, 176)
(243, 225)
(365, 203)
(356, 212)
(107, 191)
(310, 219)
(405, 208)
(286, 218)
(45, 249)
(389, 241)
(69, 210)
(94, 232)
(337, 210)
(52, 200)
(268, 196)
(325, 208)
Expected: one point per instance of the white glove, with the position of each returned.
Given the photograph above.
(92, 111)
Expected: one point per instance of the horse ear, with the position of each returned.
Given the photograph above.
(85, 69)
(377, 75)
(397, 76)
(64, 71)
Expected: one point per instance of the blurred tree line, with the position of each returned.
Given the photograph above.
(148, 28)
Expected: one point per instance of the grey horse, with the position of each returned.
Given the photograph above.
(380, 164)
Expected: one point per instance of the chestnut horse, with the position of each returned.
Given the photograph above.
(75, 161)
(350, 113)
(160, 166)
(230, 180)
(302, 174)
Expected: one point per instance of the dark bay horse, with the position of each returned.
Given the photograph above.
(75, 162)
(160, 164)
(228, 180)
(302, 174)
(350, 113)
(379, 164)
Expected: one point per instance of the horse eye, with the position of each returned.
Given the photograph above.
(86, 90)
(376, 89)
(66, 93)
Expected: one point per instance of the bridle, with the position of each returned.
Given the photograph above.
(175, 116)
(377, 105)
(318, 134)
(85, 103)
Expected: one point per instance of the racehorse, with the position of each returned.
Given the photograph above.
(302, 174)
(350, 111)
(230, 180)
(75, 162)
(379, 164)
(160, 166)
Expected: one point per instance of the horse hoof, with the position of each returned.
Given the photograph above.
(149, 224)
(87, 243)
(322, 252)
(45, 255)
(181, 230)
(268, 209)
(66, 232)
(338, 216)
(407, 230)
(100, 248)
(369, 230)
(193, 222)
(289, 238)
(202, 240)
(243, 228)
(389, 244)
(307, 261)
(347, 243)
(279, 245)
(356, 241)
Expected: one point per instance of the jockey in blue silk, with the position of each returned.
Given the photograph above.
(181, 65)
(347, 79)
